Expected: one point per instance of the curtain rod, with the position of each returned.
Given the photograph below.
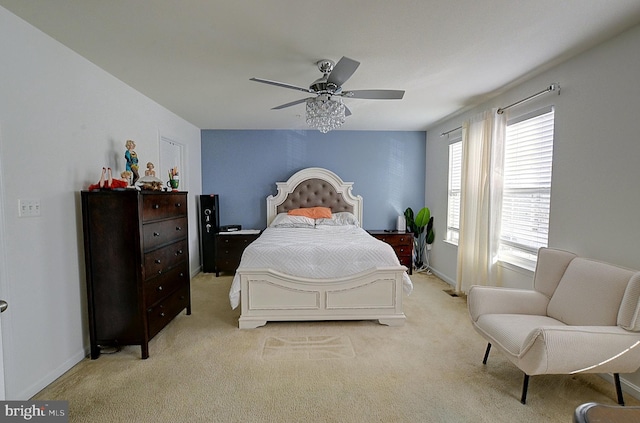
(550, 88)
(450, 131)
(553, 87)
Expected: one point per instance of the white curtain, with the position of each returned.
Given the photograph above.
(480, 204)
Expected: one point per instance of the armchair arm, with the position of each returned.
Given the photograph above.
(580, 349)
(494, 300)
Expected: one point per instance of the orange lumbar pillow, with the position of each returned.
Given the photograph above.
(312, 212)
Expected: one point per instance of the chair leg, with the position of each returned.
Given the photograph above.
(616, 378)
(525, 385)
(486, 354)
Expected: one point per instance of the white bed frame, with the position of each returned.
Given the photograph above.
(268, 295)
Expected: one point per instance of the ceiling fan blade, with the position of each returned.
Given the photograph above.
(282, 84)
(374, 94)
(293, 103)
(342, 71)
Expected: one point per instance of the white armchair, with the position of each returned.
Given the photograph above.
(582, 316)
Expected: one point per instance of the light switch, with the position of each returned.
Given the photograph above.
(28, 208)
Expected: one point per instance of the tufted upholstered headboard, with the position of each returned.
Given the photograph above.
(313, 187)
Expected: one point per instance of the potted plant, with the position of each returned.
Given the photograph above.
(422, 227)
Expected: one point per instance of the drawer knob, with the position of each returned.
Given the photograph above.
(182, 274)
(178, 228)
(179, 252)
(156, 206)
(160, 288)
(161, 314)
(156, 234)
(157, 261)
(178, 205)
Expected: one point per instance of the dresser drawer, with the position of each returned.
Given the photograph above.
(162, 206)
(406, 261)
(158, 261)
(159, 233)
(159, 315)
(234, 243)
(232, 246)
(397, 240)
(164, 284)
(403, 249)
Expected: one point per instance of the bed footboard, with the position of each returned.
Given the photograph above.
(268, 295)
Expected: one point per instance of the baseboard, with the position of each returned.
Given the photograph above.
(443, 276)
(627, 387)
(50, 377)
(195, 271)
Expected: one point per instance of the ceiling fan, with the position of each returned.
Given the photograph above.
(328, 90)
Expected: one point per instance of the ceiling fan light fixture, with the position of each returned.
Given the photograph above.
(325, 113)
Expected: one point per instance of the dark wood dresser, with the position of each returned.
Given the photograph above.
(137, 264)
(402, 244)
(229, 249)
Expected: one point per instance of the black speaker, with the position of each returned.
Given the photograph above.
(209, 227)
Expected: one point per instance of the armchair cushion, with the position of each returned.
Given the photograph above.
(550, 267)
(590, 293)
(568, 349)
(513, 333)
(628, 317)
(494, 300)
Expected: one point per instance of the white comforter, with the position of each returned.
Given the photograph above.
(320, 252)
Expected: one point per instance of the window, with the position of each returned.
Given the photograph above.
(454, 190)
(527, 187)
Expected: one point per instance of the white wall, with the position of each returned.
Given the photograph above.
(61, 120)
(595, 199)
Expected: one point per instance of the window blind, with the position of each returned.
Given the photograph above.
(454, 191)
(527, 185)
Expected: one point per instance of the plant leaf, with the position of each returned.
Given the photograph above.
(408, 217)
(422, 219)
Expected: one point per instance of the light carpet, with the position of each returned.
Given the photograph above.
(202, 368)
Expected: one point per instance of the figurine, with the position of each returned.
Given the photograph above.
(150, 171)
(149, 182)
(132, 160)
(109, 182)
(126, 175)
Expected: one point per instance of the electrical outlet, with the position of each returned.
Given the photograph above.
(28, 208)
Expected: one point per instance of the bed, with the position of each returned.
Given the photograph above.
(317, 269)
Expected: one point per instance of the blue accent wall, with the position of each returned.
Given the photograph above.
(387, 169)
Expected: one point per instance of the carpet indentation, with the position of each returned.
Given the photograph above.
(308, 348)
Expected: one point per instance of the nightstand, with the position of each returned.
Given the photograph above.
(402, 244)
(229, 248)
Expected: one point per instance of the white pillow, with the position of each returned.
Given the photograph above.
(339, 219)
(284, 220)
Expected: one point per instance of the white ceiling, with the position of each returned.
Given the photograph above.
(195, 57)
